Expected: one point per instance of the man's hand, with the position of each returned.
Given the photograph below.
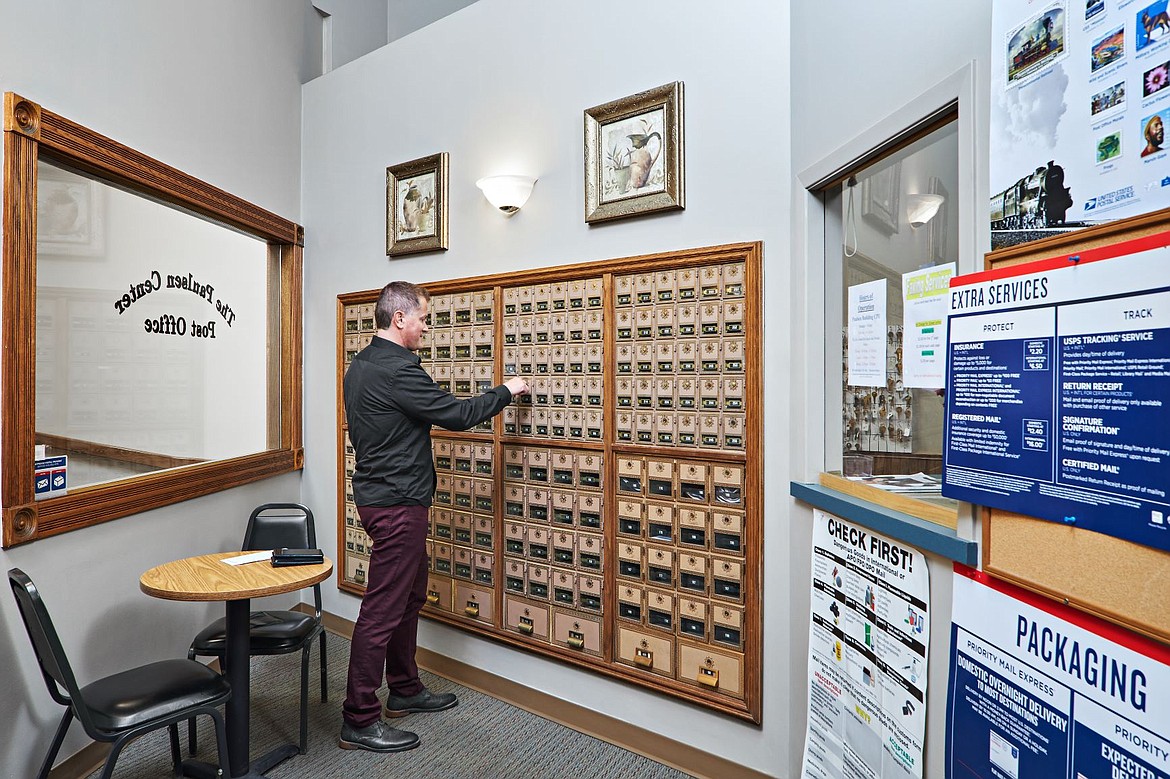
(517, 386)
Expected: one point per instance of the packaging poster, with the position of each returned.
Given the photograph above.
(867, 334)
(867, 654)
(1058, 391)
(1039, 690)
(1079, 104)
(925, 302)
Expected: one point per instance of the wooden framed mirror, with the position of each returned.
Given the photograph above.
(152, 332)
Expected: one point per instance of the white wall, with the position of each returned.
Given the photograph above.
(212, 88)
(502, 85)
(406, 16)
(357, 27)
(854, 65)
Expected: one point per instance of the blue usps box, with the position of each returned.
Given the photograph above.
(50, 476)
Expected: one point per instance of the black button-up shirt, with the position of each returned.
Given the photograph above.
(390, 405)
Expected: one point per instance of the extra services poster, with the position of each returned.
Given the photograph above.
(1080, 98)
(868, 641)
(1058, 390)
(1040, 690)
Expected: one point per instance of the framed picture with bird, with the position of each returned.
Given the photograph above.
(416, 206)
(634, 155)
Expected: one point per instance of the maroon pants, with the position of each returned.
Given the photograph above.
(386, 630)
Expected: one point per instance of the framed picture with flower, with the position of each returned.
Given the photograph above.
(416, 206)
(634, 155)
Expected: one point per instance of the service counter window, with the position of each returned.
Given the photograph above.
(152, 339)
(891, 246)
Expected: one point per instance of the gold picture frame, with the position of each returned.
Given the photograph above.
(634, 155)
(416, 206)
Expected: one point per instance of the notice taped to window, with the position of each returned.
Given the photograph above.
(1058, 392)
(1040, 690)
(867, 654)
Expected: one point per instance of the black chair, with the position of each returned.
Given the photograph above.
(122, 707)
(271, 526)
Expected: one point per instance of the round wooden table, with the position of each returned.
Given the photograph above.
(208, 578)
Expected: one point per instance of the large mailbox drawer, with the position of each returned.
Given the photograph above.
(439, 592)
(648, 652)
(711, 670)
(473, 603)
(526, 618)
(577, 632)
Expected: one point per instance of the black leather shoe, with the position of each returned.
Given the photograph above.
(423, 701)
(378, 737)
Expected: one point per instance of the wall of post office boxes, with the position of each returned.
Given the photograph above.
(612, 517)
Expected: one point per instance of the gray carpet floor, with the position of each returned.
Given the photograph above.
(481, 738)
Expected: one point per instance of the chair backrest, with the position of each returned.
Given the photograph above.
(273, 525)
(50, 654)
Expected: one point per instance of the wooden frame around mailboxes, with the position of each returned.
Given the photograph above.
(355, 327)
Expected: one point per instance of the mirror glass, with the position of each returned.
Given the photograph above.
(152, 333)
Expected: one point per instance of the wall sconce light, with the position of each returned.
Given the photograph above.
(507, 193)
(920, 209)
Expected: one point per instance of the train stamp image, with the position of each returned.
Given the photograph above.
(1108, 50)
(1036, 44)
(1040, 199)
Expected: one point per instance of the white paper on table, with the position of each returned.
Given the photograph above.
(251, 557)
(867, 334)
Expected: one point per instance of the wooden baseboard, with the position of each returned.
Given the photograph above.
(83, 762)
(675, 754)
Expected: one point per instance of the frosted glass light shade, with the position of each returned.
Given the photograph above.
(507, 193)
(920, 209)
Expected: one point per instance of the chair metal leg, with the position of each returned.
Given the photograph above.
(191, 745)
(324, 674)
(176, 756)
(115, 751)
(305, 696)
(58, 737)
(221, 750)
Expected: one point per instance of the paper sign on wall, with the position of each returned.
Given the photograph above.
(925, 299)
(867, 334)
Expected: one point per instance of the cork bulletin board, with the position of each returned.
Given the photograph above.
(1121, 581)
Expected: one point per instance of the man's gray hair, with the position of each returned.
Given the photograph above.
(398, 296)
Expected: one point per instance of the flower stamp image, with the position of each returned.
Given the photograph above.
(1155, 79)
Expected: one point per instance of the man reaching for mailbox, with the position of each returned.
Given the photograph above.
(390, 405)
